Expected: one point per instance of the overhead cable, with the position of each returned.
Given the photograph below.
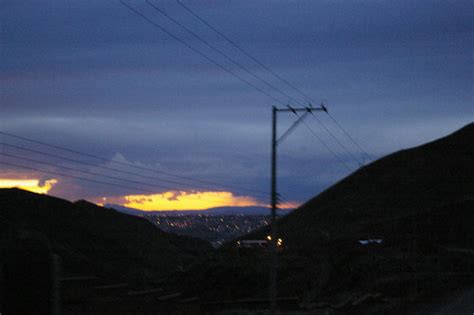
(267, 68)
(220, 52)
(148, 169)
(156, 25)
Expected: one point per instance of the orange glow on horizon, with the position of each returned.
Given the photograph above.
(289, 205)
(182, 200)
(33, 185)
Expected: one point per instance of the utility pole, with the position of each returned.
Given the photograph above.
(274, 230)
(273, 233)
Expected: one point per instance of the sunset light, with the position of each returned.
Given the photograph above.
(288, 205)
(181, 200)
(33, 185)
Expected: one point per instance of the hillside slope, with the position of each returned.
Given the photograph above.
(401, 184)
(99, 241)
(418, 203)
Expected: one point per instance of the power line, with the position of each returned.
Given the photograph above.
(349, 136)
(230, 71)
(337, 140)
(83, 163)
(86, 172)
(292, 128)
(216, 63)
(156, 25)
(223, 67)
(220, 52)
(70, 176)
(103, 167)
(98, 174)
(240, 48)
(300, 119)
(213, 184)
(245, 52)
(327, 147)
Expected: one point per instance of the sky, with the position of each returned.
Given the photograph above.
(176, 131)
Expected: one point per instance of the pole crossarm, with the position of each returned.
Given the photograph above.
(306, 110)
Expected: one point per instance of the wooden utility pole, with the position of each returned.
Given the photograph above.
(274, 231)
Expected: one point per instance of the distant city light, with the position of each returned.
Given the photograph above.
(370, 241)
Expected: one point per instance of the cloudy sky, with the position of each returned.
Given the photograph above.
(98, 78)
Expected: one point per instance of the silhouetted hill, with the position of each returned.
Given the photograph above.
(419, 204)
(99, 241)
(404, 183)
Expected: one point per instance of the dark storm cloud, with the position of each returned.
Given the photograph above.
(96, 77)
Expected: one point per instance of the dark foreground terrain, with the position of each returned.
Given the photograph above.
(101, 254)
(397, 236)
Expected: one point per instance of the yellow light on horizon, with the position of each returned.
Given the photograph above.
(182, 200)
(289, 205)
(33, 185)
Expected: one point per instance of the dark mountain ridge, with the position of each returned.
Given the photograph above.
(410, 181)
(95, 240)
(418, 202)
